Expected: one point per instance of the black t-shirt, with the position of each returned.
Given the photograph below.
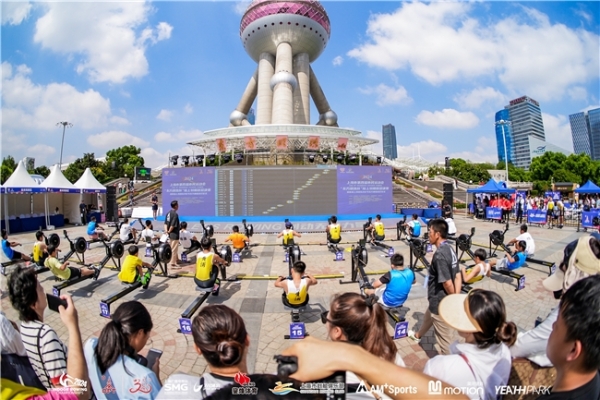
(444, 267)
(82, 208)
(589, 391)
(172, 220)
(386, 278)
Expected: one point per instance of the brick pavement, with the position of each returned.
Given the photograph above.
(259, 302)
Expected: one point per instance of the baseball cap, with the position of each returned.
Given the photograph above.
(583, 260)
(288, 224)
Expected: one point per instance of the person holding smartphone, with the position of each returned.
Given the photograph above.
(113, 359)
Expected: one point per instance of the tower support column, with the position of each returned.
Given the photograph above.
(264, 102)
(302, 92)
(283, 84)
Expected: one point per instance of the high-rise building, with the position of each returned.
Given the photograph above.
(390, 150)
(504, 135)
(525, 117)
(585, 130)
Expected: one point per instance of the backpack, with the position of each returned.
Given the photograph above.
(18, 369)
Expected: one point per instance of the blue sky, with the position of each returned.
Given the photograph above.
(156, 75)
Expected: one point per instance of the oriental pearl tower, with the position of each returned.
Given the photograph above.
(284, 38)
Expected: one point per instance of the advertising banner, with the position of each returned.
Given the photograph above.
(342, 144)
(250, 142)
(493, 213)
(363, 188)
(536, 217)
(587, 218)
(313, 143)
(281, 142)
(193, 188)
(222, 145)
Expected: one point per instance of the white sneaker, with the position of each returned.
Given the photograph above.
(411, 335)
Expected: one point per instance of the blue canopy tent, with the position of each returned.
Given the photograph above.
(491, 187)
(589, 188)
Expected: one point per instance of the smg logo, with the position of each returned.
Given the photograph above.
(181, 386)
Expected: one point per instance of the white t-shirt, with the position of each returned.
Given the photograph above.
(149, 232)
(532, 344)
(10, 341)
(124, 232)
(185, 239)
(526, 236)
(451, 226)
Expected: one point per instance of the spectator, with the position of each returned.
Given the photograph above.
(511, 261)
(131, 195)
(549, 210)
(132, 271)
(63, 271)
(444, 279)
(446, 209)
(113, 359)
(414, 226)
(93, 230)
(56, 211)
(154, 201)
(120, 187)
(574, 344)
(479, 270)
(206, 275)
(172, 229)
(83, 212)
(526, 236)
(9, 252)
(40, 249)
(46, 352)
(355, 319)
(288, 233)
(220, 337)
(520, 203)
(186, 239)
(483, 362)
(393, 287)
(451, 227)
(238, 240)
(581, 259)
(127, 232)
(560, 211)
(295, 287)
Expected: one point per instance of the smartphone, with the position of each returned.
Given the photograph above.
(153, 355)
(54, 302)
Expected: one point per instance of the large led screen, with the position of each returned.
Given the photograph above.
(278, 191)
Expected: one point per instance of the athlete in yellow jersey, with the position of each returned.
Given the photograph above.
(238, 240)
(288, 233)
(334, 230)
(131, 270)
(377, 229)
(206, 271)
(40, 249)
(295, 287)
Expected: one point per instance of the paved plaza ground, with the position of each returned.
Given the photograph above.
(259, 302)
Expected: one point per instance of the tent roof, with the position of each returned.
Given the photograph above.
(56, 182)
(589, 187)
(21, 181)
(491, 187)
(88, 184)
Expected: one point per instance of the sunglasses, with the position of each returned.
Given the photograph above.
(324, 319)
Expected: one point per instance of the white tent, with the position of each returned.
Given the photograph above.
(60, 193)
(14, 202)
(92, 191)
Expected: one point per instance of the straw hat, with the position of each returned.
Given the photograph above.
(454, 310)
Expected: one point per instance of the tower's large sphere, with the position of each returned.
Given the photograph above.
(303, 24)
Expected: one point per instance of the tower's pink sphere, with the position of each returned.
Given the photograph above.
(302, 23)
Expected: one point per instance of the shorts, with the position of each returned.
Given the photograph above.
(154, 207)
(75, 273)
(335, 241)
(379, 238)
(379, 293)
(17, 255)
(286, 303)
(209, 283)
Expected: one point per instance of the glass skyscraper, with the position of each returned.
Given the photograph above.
(500, 135)
(525, 116)
(585, 130)
(390, 149)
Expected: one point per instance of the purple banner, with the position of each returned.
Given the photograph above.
(193, 188)
(363, 189)
(587, 218)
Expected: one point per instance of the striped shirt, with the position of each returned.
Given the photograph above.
(46, 352)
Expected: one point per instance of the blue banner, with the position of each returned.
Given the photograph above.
(536, 216)
(587, 217)
(493, 213)
(555, 195)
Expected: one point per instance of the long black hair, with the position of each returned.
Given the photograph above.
(22, 291)
(127, 320)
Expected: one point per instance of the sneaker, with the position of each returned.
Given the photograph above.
(413, 337)
(215, 291)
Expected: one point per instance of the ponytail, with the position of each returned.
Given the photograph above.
(507, 333)
(129, 318)
(377, 340)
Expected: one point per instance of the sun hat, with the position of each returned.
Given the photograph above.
(454, 310)
(583, 260)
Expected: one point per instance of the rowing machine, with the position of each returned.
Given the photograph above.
(78, 247)
(377, 244)
(360, 259)
(497, 239)
(292, 254)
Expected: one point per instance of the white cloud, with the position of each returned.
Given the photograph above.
(188, 108)
(164, 115)
(103, 37)
(14, 13)
(114, 139)
(339, 60)
(181, 136)
(558, 131)
(577, 93)
(30, 106)
(425, 149)
(119, 120)
(378, 147)
(588, 108)
(445, 41)
(448, 118)
(240, 7)
(41, 149)
(476, 97)
(387, 95)
(475, 156)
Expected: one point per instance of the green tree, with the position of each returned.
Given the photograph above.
(8, 167)
(77, 167)
(122, 161)
(42, 170)
(542, 168)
